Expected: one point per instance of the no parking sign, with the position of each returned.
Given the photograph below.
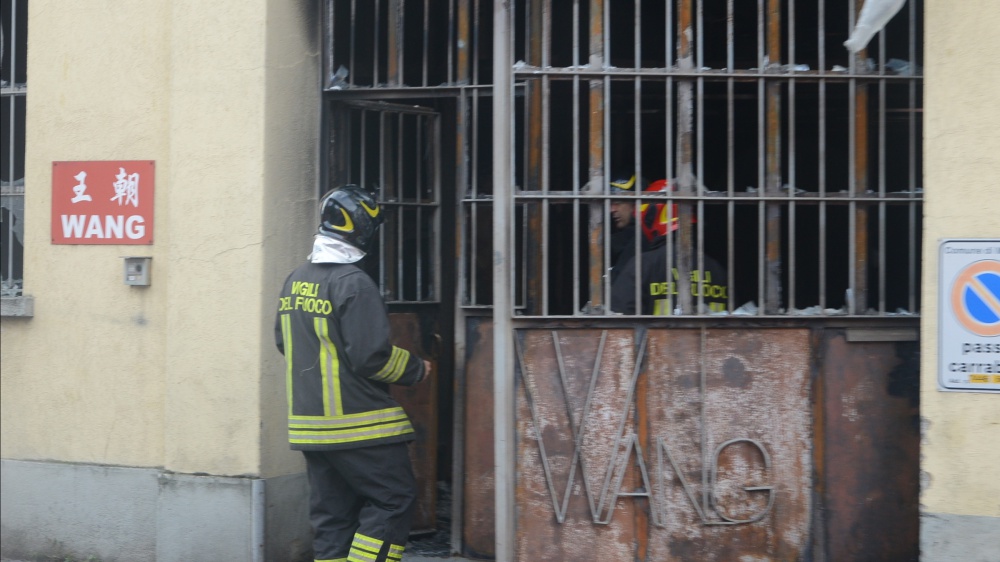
(969, 318)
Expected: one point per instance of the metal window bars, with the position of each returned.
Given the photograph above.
(793, 164)
(13, 93)
(393, 153)
(420, 45)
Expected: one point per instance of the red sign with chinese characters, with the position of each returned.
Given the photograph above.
(109, 202)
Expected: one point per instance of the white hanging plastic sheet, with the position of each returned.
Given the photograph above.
(875, 14)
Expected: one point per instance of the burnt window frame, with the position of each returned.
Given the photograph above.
(13, 100)
(863, 212)
(752, 63)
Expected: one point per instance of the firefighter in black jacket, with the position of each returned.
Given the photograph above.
(333, 330)
(658, 290)
(623, 222)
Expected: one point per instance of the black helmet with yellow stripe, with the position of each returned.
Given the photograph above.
(350, 213)
(622, 183)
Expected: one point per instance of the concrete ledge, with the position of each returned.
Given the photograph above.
(946, 537)
(289, 536)
(17, 306)
(66, 510)
(120, 514)
(191, 528)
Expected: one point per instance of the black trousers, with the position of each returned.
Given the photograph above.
(361, 502)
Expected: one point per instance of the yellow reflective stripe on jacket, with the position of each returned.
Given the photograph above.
(313, 437)
(348, 428)
(286, 336)
(394, 367)
(395, 552)
(348, 420)
(364, 548)
(330, 368)
(661, 307)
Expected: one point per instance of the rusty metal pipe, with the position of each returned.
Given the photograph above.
(597, 180)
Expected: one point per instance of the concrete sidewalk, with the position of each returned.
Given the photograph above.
(408, 556)
(420, 558)
(412, 554)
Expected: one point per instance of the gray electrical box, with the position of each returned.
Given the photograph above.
(137, 270)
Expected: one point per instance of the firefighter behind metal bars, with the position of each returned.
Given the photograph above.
(658, 291)
(623, 223)
(333, 329)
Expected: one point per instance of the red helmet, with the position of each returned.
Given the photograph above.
(655, 219)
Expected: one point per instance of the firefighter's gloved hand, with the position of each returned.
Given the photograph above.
(427, 370)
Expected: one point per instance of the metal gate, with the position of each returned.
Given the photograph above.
(785, 175)
(393, 150)
(701, 442)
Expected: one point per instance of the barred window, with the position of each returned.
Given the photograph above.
(774, 171)
(393, 154)
(13, 91)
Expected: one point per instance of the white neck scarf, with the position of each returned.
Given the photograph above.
(331, 250)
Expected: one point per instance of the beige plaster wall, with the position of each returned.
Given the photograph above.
(962, 179)
(181, 374)
(214, 253)
(83, 380)
(292, 129)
